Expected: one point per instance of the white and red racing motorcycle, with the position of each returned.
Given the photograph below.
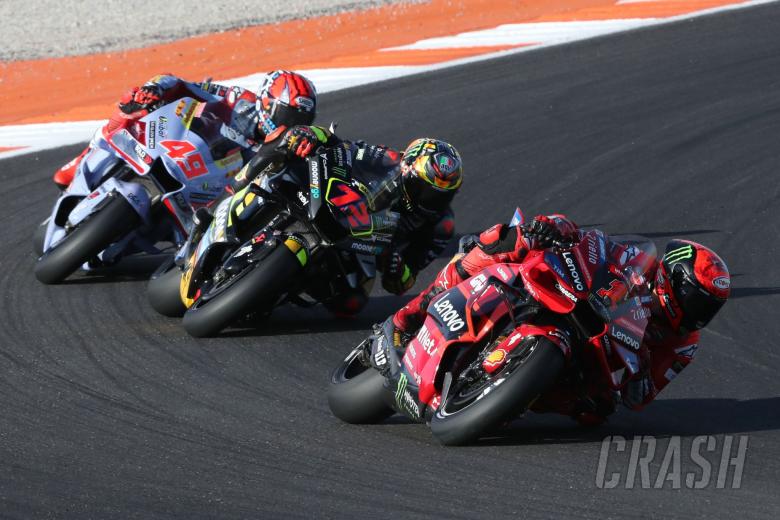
(138, 186)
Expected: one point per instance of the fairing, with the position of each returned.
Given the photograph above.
(196, 163)
(347, 208)
(597, 287)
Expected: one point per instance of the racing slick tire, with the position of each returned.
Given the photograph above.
(356, 394)
(468, 412)
(90, 237)
(163, 291)
(39, 237)
(258, 289)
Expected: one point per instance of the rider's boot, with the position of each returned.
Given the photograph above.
(64, 176)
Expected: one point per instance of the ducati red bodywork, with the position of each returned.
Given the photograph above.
(589, 282)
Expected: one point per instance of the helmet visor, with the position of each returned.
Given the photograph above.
(698, 306)
(284, 115)
(426, 197)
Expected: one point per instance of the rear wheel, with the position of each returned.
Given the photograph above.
(90, 237)
(256, 289)
(356, 393)
(475, 405)
(163, 291)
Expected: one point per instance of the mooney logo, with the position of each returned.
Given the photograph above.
(364, 248)
(315, 179)
(449, 316)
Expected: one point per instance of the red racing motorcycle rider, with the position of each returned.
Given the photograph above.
(688, 285)
(285, 99)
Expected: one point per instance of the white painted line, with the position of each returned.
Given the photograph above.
(544, 33)
(42, 136)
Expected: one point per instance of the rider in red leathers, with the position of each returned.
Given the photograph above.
(285, 99)
(688, 286)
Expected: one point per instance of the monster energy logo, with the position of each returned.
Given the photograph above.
(404, 398)
(415, 148)
(679, 254)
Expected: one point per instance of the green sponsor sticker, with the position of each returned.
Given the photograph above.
(679, 254)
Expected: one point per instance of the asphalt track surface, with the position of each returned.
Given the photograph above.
(110, 411)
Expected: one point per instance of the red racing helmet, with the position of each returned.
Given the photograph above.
(285, 99)
(692, 284)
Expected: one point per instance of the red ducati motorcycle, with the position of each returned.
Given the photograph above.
(492, 345)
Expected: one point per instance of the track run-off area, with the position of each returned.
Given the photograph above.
(108, 410)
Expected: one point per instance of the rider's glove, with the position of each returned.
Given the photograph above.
(302, 141)
(397, 277)
(549, 231)
(145, 98)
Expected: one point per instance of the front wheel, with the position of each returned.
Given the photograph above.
(356, 392)
(472, 407)
(90, 237)
(39, 237)
(258, 289)
(163, 291)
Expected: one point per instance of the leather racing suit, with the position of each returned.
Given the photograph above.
(663, 353)
(418, 238)
(237, 104)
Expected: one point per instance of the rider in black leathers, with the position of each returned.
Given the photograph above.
(419, 184)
